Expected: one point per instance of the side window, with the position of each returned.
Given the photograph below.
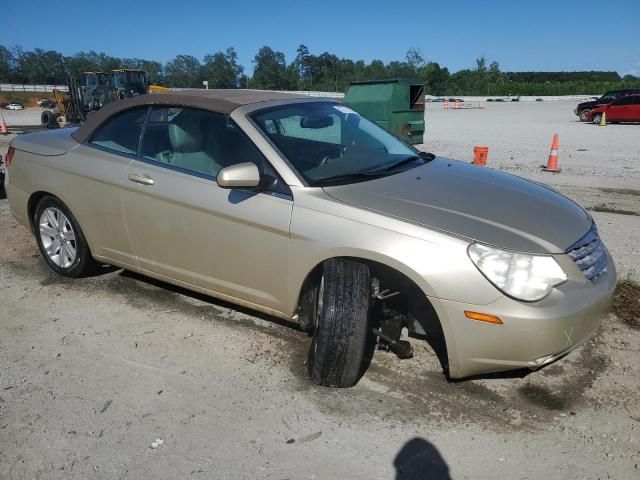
(121, 132)
(623, 101)
(195, 140)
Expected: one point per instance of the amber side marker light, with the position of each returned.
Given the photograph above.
(483, 317)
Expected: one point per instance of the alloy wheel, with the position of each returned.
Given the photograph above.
(58, 237)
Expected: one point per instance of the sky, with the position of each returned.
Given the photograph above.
(533, 35)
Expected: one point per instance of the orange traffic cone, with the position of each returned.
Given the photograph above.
(457, 105)
(552, 164)
(3, 126)
(446, 104)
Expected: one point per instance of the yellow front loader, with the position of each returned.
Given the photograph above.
(94, 91)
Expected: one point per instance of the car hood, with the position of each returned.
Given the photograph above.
(477, 203)
(589, 104)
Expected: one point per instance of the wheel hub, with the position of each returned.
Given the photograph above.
(57, 237)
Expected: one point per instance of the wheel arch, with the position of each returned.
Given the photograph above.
(422, 319)
(33, 201)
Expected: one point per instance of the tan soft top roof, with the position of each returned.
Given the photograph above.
(216, 100)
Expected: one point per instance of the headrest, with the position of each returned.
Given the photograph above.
(186, 134)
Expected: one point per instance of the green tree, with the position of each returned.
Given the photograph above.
(360, 70)
(270, 70)
(303, 68)
(222, 69)
(348, 72)
(6, 64)
(414, 58)
(183, 72)
(375, 71)
(91, 62)
(435, 78)
(327, 72)
(308, 72)
(401, 70)
(291, 75)
(39, 66)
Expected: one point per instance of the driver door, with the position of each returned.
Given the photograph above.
(185, 227)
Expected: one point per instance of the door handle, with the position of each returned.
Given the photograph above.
(142, 179)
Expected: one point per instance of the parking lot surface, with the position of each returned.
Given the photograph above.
(94, 371)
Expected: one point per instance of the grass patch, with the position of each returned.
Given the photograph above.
(626, 303)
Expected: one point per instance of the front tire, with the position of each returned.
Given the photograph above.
(584, 115)
(596, 118)
(342, 325)
(60, 239)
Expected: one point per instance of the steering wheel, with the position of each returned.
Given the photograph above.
(326, 159)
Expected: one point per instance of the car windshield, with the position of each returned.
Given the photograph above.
(329, 143)
(609, 96)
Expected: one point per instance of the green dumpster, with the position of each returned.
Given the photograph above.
(396, 105)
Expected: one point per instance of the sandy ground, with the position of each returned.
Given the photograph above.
(93, 371)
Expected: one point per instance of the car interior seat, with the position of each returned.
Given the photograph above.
(187, 136)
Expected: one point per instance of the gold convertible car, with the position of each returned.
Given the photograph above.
(302, 208)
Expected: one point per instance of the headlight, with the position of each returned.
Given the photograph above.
(519, 275)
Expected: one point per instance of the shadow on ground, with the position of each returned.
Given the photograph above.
(420, 460)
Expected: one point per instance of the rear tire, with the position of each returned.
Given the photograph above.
(342, 325)
(584, 115)
(60, 239)
(48, 119)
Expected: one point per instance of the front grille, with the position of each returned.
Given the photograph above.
(588, 254)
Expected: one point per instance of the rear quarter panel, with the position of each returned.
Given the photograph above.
(88, 181)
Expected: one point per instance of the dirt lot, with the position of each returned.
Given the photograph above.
(93, 371)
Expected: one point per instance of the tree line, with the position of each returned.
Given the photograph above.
(324, 72)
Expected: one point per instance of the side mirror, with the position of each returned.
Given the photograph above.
(240, 175)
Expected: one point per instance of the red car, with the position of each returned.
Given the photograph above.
(624, 109)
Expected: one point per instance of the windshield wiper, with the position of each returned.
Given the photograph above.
(376, 172)
(364, 175)
(427, 157)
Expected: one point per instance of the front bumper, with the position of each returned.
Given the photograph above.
(532, 334)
